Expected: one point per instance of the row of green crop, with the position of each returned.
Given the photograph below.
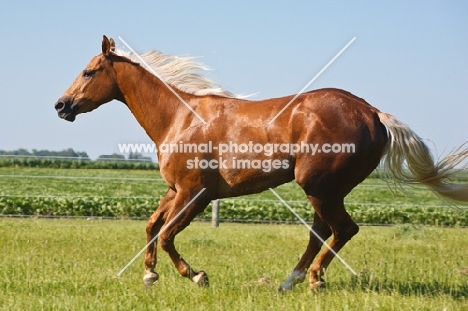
(76, 163)
(85, 206)
(233, 210)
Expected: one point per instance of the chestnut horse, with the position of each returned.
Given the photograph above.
(199, 113)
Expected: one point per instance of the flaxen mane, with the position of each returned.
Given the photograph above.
(180, 72)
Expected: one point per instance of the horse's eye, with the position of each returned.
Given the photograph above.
(88, 73)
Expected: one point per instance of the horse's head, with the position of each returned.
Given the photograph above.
(95, 86)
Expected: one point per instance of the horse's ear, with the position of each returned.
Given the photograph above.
(106, 46)
(112, 45)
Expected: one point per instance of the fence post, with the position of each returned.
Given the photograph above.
(215, 214)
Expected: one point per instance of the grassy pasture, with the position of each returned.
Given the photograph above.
(64, 264)
(71, 264)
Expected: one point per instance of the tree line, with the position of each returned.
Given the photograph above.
(70, 158)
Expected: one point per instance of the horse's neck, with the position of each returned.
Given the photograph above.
(151, 102)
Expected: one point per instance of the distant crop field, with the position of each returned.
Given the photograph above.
(72, 264)
(136, 194)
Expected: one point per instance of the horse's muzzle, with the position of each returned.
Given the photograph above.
(64, 108)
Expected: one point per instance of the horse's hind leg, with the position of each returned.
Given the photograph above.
(155, 223)
(170, 231)
(333, 213)
(330, 218)
(299, 272)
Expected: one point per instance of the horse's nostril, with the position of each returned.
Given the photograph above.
(59, 106)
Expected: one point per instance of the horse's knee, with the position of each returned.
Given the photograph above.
(149, 227)
(153, 225)
(167, 243)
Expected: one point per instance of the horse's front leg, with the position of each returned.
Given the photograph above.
(176, 225)
(155, 223)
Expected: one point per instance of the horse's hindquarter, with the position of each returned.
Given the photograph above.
(349, 140)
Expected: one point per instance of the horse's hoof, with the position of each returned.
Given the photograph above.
(150, 278)
(285, 287)
(201, 279)
(296, 277)
(317, 285)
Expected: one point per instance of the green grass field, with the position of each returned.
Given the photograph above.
(72, 264)
(64, 264)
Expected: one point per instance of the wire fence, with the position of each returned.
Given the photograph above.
(145, 179)
(227, 200)
(160, 180)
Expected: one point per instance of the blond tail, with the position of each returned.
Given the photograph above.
(405, 146)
